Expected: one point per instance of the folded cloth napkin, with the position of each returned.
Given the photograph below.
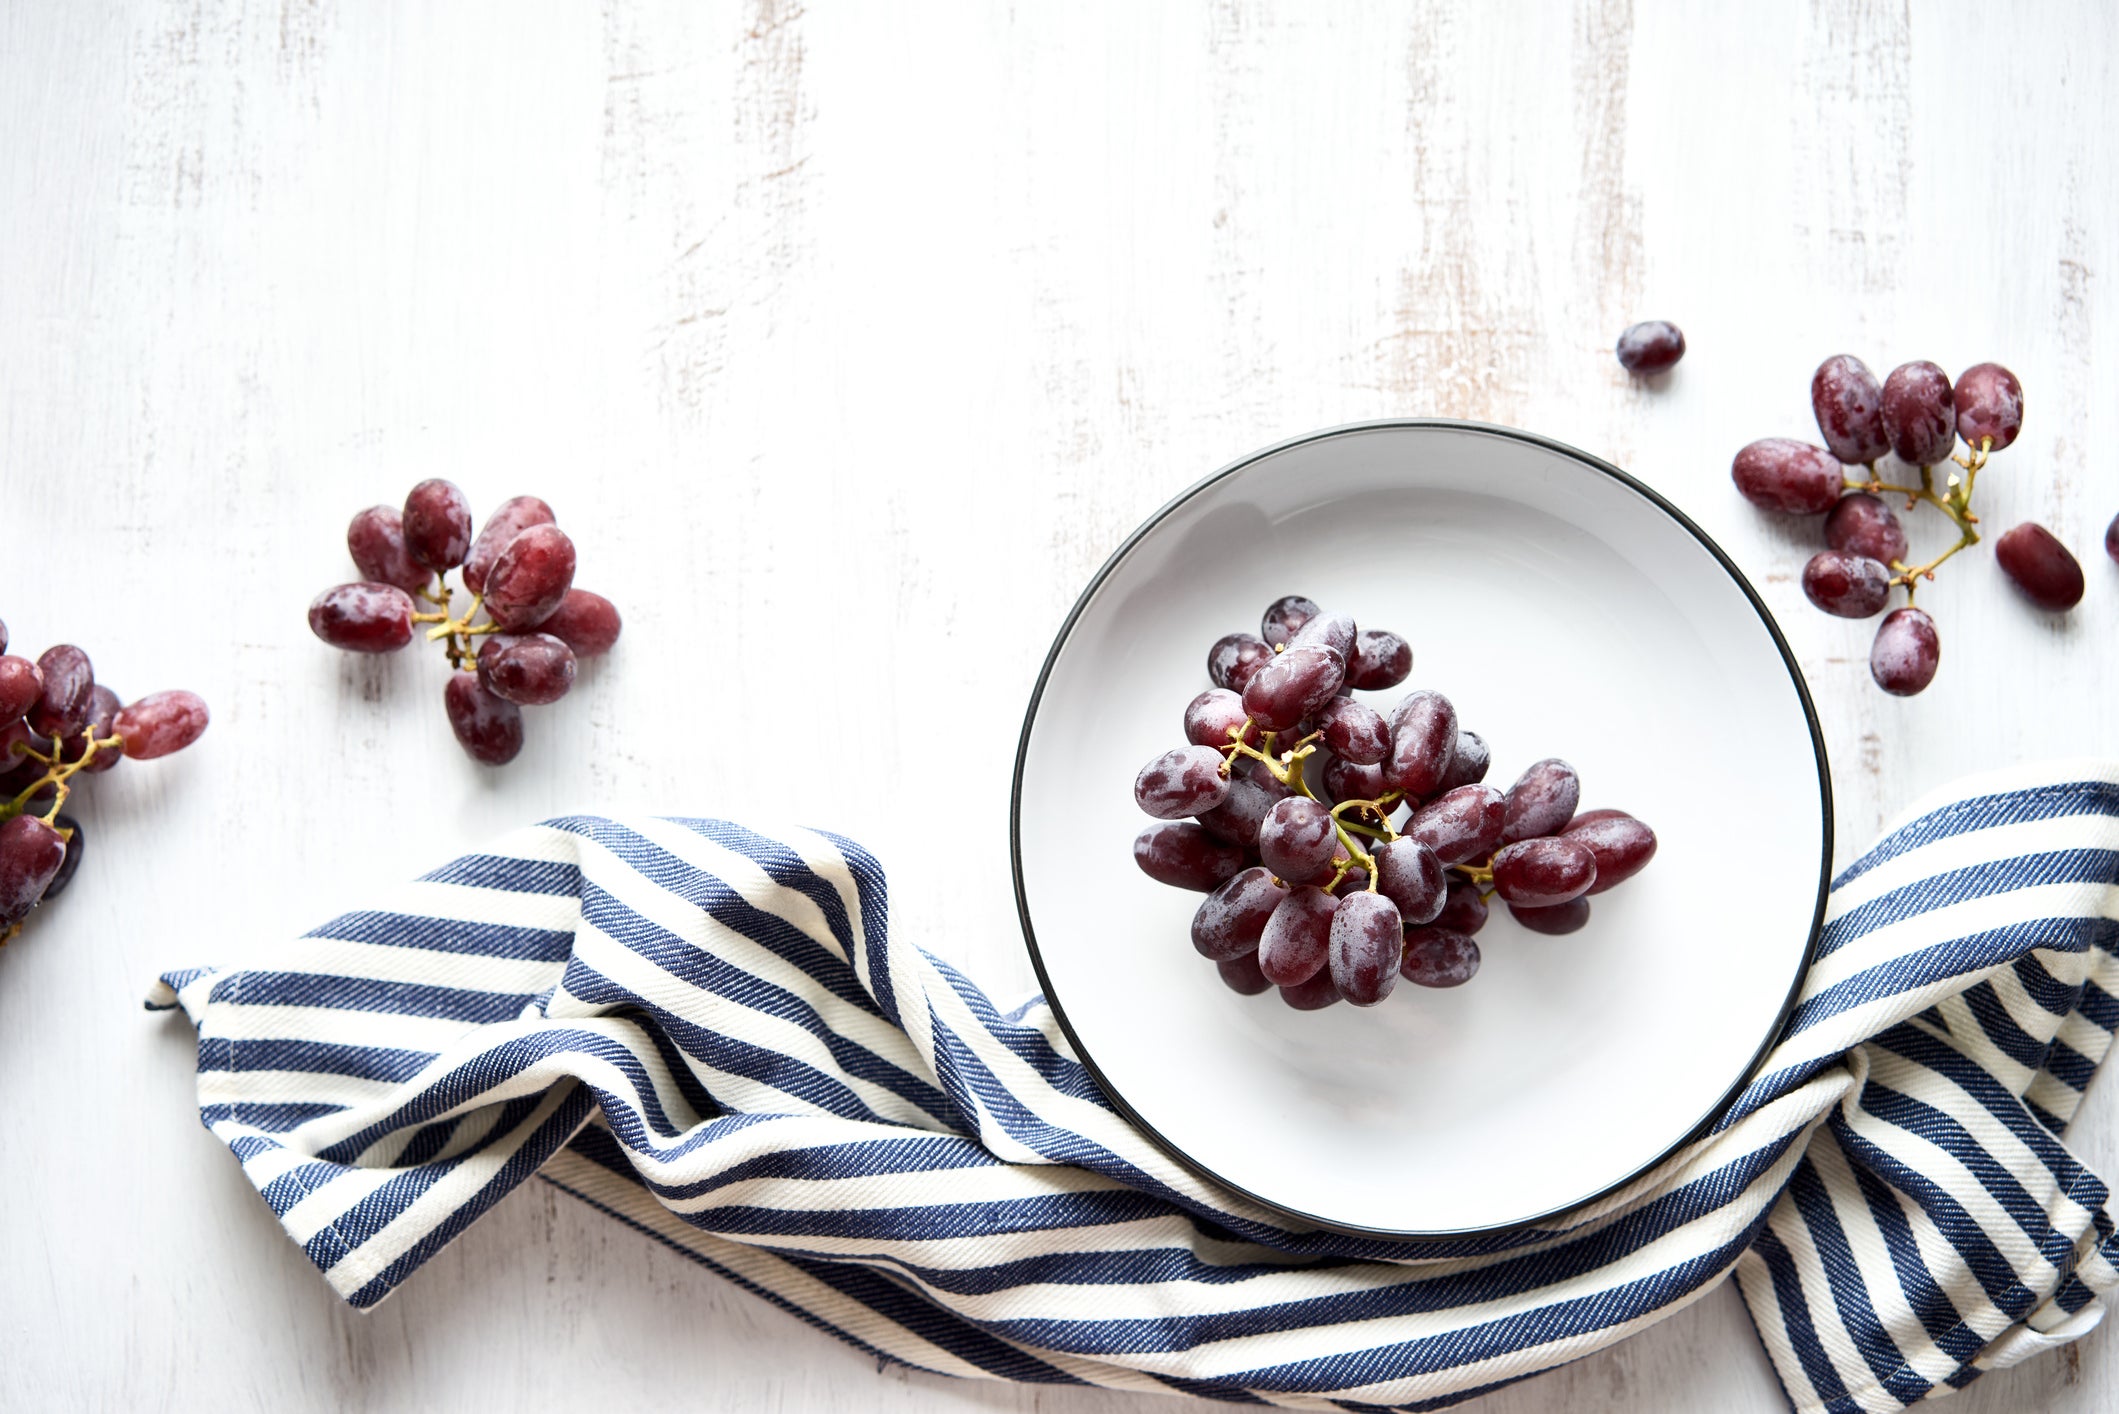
(707, 1032)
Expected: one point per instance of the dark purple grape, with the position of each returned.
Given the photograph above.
(1461, 825)
(1439, 957)
(3, 635)
(510, 519)
(1861, 524)
(1238, 818)
(1847, 586)
(586, 622)
(1468, 763)
(1298, 937)
(1621, 844)
(437, 524)
(2111, 540)
(161, 723)
(363, 618)
(17, 768)
(1367, 941)
(1343, 780)
(102, 715)
(530, 669)
(1353, 732)
(1782, 474)
(1216, 717)
(1284, 618)
(527, 583)
(1411, 877)
(1241, 975)
(1186, 781)
(1297, 841)
(1651, 347)
(1184, 856)
(69, 692)
(1906, 653)
(2044, 569)
(1233, 917)
(1381, 660)
(1464, 911)
(1334, 631)
(376, 540)
(1292, 686)
(1557, 921)
(1541, 802)
(1989, 403)
(1849, 404)
(1314, 995)
(1234, 657)
(1423, 738)
(30, 855)
(76, 847)
(21, 684)
(1538, 873)
(1919, 413)
(488, 726)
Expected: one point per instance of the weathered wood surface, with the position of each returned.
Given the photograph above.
(850, 340)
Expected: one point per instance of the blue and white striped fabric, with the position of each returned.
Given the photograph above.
(707, 1032)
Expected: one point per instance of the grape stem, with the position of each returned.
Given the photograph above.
(1288, 771)
(459, 631)
(57, 774)
(1954, 501)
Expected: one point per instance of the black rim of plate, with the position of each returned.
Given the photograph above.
(1758, 606)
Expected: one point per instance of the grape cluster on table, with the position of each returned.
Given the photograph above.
(57, 722)
(1918, 415)
(520, 570)
(1341, 849)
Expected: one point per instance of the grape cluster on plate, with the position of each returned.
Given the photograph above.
(1284, 810)
(1918, 415)
(58, 722)
(520, 571)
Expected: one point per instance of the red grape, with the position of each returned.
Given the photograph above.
(1542, 800)
(1919, 413)
(488, 726)
(437, 523)
(1242, 976)
(1439, 957)
(1410, 876)
(376, 540)
(2111, 540)
(76, 847)
(3, 635)
(1367, 942)
(1381, 660)
(1314, 995)
(30, 855)
(1423, 737)
(1298, 937)
(1284, 617)
(69, 690)
(1782, 474)
(1558, 920)
(1297, 841)
(1343, 780)
(1906, 652)
(1989, 403)
(1238, 818)
(1234, 657)
(1231, 919)
(1181, 782)
(1353, 732)
(160, 723)
(510, 519)
(1464, 910)
(1334, 631)
(1621, 845)
(102, 712)
(1538, 873)
(1861, 524)
(1215, 717)
(363, 618)
(2044, 569)
(1292, 686)
(526, 584)
(586, 622)
(17, 767)
(1652, 347)
(1849, 404)
(1848, 586)
(530, 669)
(1461, 825)
(21, 684)
(1184, 856)
(1468, 764)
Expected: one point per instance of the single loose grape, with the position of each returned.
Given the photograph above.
(2111, 540)
(1847, 586)
(1542, 800)
(1233, 918)
(1621, 845)
(1284, 618)
(1292, 686)
(509, 519)
(1367, 944)
(1652, 347)
(1989, 404)
(376, 540)
(1920, 413)
(1353, 732)
(1298, 937)
(531, 577)
(437, 524)
(1861, 524)
(1410, 876)
(1423, 737)
(1242, 976)
(1216, 718)
(363, 618)
(1906, 653)
(1461, 825)
(1381, 660)
(487, 725)
(1183, 855)
(1557, 921)
(1439, 957)
(1297, 841)
(2044, 569)
(1782, 474)
(586, 622)
(1186, 781)
(1538, 873)
(1234, 657)
(1849, 404)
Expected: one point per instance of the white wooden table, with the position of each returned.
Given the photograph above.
(849, 342)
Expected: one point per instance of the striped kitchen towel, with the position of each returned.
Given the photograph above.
(707, 1032)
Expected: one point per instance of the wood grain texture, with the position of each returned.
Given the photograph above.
(851, 340)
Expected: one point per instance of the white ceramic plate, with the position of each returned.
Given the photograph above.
(1567, 611)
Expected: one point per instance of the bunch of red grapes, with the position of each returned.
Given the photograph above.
(57, 722)
(1919, 416)
(520, 571)
(1284, 811)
